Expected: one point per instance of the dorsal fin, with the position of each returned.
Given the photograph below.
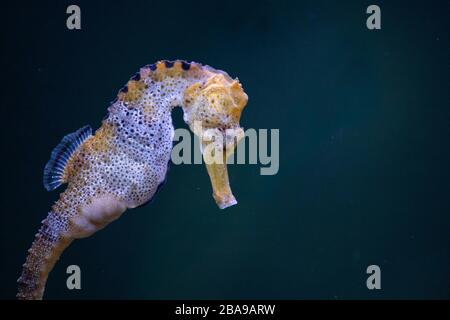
(54, 169)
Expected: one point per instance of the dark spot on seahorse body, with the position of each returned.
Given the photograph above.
(124, 89)
(151, 66)
(136, 77)
(169, 64)
(185, 65)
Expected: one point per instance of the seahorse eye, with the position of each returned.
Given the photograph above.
(239, 96)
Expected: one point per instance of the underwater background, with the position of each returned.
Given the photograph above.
(364, 148)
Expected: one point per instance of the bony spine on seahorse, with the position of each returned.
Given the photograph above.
(122, 165)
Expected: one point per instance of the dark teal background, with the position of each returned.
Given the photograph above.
(364, 148)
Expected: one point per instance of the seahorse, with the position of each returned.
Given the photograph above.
(122, 165)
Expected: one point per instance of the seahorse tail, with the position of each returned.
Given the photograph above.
(49, 243)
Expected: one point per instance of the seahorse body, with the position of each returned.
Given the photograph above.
(122, 165)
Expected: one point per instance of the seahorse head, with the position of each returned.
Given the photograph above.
(212, 109)
(217, 103)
